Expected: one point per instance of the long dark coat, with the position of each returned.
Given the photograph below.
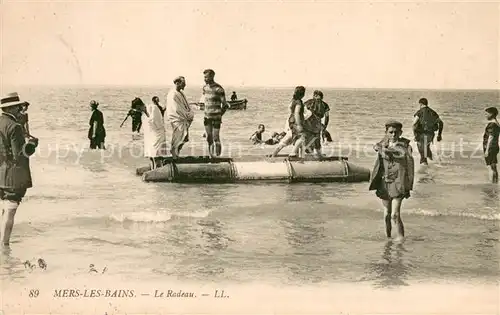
(15, 170)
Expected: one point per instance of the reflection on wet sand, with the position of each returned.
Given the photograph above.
(304, 192)
(11, 267)
(490, 196)
(305, 236)
(392, 272)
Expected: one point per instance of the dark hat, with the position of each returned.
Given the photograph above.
(94, 103)
(393, 123)
(492, 110)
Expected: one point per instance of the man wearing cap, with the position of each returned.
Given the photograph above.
(393, 175)
(15, 173)
(97, 132)
(215, 107)
(425, 124)
(180, 116)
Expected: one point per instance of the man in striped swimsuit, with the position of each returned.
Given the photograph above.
(215, 107)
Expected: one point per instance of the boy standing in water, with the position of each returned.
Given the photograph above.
(393, 174)
(490, 142)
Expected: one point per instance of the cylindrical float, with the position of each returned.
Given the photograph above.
(261, 170)
(204, 173)
(313, 171)
(203, 170)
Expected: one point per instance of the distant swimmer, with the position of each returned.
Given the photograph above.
(256, 137)
(490, 142)
(425, 124)
(294, 125)
(97, 132)
(155, 140)
(393, 174)
(215, 107)
(180, 116)
(234, 97)
(313, 126)
(275, 138)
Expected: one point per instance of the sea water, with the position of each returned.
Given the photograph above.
(88, 207)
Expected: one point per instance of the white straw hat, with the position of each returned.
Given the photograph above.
(11, 99)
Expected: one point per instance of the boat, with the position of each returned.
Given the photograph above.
(204, 169)
(233, 105)
(238, 104)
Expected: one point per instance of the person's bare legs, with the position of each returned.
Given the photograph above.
(217, 143)
(298, 149)
(387, 217)
(493, 173)
(210, 140)
(396, 218)
(8, 213)
(282, 144)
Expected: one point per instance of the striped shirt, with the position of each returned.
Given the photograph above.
(213, 95)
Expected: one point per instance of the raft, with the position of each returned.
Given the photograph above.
(203, 169)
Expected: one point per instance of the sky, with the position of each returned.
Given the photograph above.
(252, 43)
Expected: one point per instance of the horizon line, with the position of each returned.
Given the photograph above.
(248, 86)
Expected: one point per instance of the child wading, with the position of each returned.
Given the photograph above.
(490, 142)
(392, 175)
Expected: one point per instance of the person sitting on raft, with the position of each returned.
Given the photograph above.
(295, 122)
(313, 126)
(136, 115)
(490, 142)
(256, 137)
(234, 97)
(393, 174)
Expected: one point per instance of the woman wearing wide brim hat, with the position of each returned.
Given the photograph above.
(15, 173)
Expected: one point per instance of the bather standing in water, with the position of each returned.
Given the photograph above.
(136, 115)
(393, 174)
(295, 122)
(490, 142)
(425, 124)
(97, 132)
(215, 107)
